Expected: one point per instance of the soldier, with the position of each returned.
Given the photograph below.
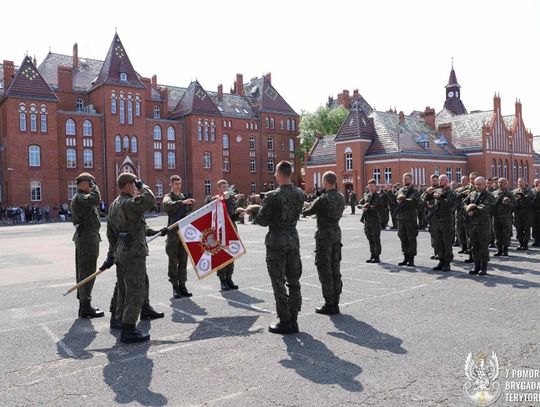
(391, 203)
(328, 208)
(478, 206)
(177, 207)
(536, 207)
(370, 205)
(441, 203)
(428, 205)
(405, 201)
(461, 194)
(280, 211)
(491, 186)
(126, 231)
(523, 214)
(352, 201)
(466, 219)
(85, 217)
(502, 217)
(383, 207)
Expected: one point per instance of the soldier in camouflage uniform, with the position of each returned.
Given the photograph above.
(478, 207)
(352, 202)
(466, 219)
(328, 208)
(280, 211)
(492, 185)
(85, 217)
(177, 207)
(441, 202)
(503, 206)
(370, 205)
(383, 206)
(127, 231)
(405, 202)
(461, 194)
(429, 208)
(523, 214)
(536, 210)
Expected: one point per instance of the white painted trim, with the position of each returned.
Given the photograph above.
(404, 159)
(520, 155)
(469, 154)
(353, 141)
(320, 165)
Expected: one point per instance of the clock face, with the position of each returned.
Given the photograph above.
(238, 139)
(450, 94)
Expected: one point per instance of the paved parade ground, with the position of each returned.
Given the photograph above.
(401, 340)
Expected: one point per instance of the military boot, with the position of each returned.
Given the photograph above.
(405, 261)
(410, 262)
(536, 243)
(499, 251)
(176, 290)
(115, 323)
(375, 259)
(130, 334)
(294, 322)
(224, 285)
(483, 269)
(87, 311)
(476, 269)
(439, 266)
(281, 327)
(446, 267)
(148, 313)
(183, 290)
(505, 251)
(370, 259)
(327, 309)
(230, 283)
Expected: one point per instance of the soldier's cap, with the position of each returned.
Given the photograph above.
(125, 178)
(84, 176)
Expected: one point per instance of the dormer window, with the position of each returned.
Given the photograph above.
(423, 141)
(442, 142)
(123, 77)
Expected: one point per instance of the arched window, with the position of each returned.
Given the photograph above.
(252, 142)
(133, 144)
(123, 77)
(157, 133)
(125, 143)
(130, 110)
(505, 169)
(288, 124)
(117, 144)
(33, 118)
(199, 130)
(79, 105)
(267, 122)
(171, 160)
(113, 105)
(499, 169)
(137, 108)
(272, 123)
(206, 130)
(157, 112)
(293, 124)
(493, 166)
(22, 117)
(348, 159)
(458, 174)
(170, 133)
(207, 160)
(291, 145)
(225, 141)
(87, 128)
(449, 173)
(34, 156)
(43, 111)
(212, 131)
(71, 158)
(88, 158)
(70, 127)
(158, 160)
(35, 191)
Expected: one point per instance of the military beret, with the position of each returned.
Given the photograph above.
(125, 178)
(84, 176)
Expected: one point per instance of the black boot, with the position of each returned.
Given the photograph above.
(294, 322)
(525, 246)
(476, 269)
(224, 285)
(505, 251)
(130, 334)
(147, 312)
(499, 251)
(370, 259)
(405, 261)
(281, 327)
(439, 266)
(483, 269)
(327, 309)
(176, 290)
(375, 259)
(115, 323)
(183, 290)
(446, 267)
(87, 311)
(230, 283)
(411, 262)
(536, 243)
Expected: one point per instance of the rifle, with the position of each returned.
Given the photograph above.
(370, 202)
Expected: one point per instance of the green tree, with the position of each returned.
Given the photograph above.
(323, 121)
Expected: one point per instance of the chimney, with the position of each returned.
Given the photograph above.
(429, 116)
(164, 93)
(401, 117)
(446, 130)
(9, 71)
(344, 99)
(239, 84)
(497, 103)
(220, 91)
(518, 109)
(355, 95)
(75, 56)
(65, 78)
(268, 77)
(154, 81)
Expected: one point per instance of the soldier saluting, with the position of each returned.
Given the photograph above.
(328, 208)
(85, 217)
(370, 205)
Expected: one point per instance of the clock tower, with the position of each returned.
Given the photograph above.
(453, 94)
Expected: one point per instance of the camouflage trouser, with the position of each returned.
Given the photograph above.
(503, 231)
(407, 232)
(536, 227)
(433, 235)
(86, 254)
(523, 228)
(491, 229)
(353, 208)
(443, 232)
(383, 214)
(394, 220)
(177, 261)
(327, 260)
(285, 267)
(421, 214)
(479, 242)
(227, 271)
(373, 234)
(131, 290)
(460, 229)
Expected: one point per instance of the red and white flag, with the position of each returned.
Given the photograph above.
(210, 238)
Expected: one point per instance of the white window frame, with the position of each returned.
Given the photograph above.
(36, 193)
(34, 156)
(71, 128)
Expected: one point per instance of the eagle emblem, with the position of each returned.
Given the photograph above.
(481, 387)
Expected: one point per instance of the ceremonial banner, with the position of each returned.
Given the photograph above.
(210, 238)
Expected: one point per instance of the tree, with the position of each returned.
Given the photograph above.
(323, 121)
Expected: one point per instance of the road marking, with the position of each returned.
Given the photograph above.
(360, 280)
(319, 287)
(58, 285)
(58, 341)
(254, 307)
(228, 396)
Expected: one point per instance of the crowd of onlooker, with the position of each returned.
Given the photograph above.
(24, 214)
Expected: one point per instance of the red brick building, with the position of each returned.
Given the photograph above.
(73, 114)
(384, 145)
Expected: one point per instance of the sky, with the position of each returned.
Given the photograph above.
(396, 53)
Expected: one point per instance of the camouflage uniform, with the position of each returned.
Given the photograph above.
(406, 216)
(328, 208)
(502, 220)
(372, 222)
(427, 204)
(460, 216)
(280, 211)
(352, 202)
(85, 217)
(383, 208)
(536, 219)
(176, 253)
(523, 216)
(478, 226)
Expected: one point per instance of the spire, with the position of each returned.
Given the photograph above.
(452, 80)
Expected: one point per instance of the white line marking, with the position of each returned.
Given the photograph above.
(229, 396)
(241, 303)
(57, 340)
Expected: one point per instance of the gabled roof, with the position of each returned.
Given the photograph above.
(116, 62)
(323, 151)
(364, 105)
(175, 94)
(28, 83)
(356, 126)
(195, 100)
(83, 76)
(233, 105)
(263, 94)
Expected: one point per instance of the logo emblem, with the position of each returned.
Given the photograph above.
(481, 388)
